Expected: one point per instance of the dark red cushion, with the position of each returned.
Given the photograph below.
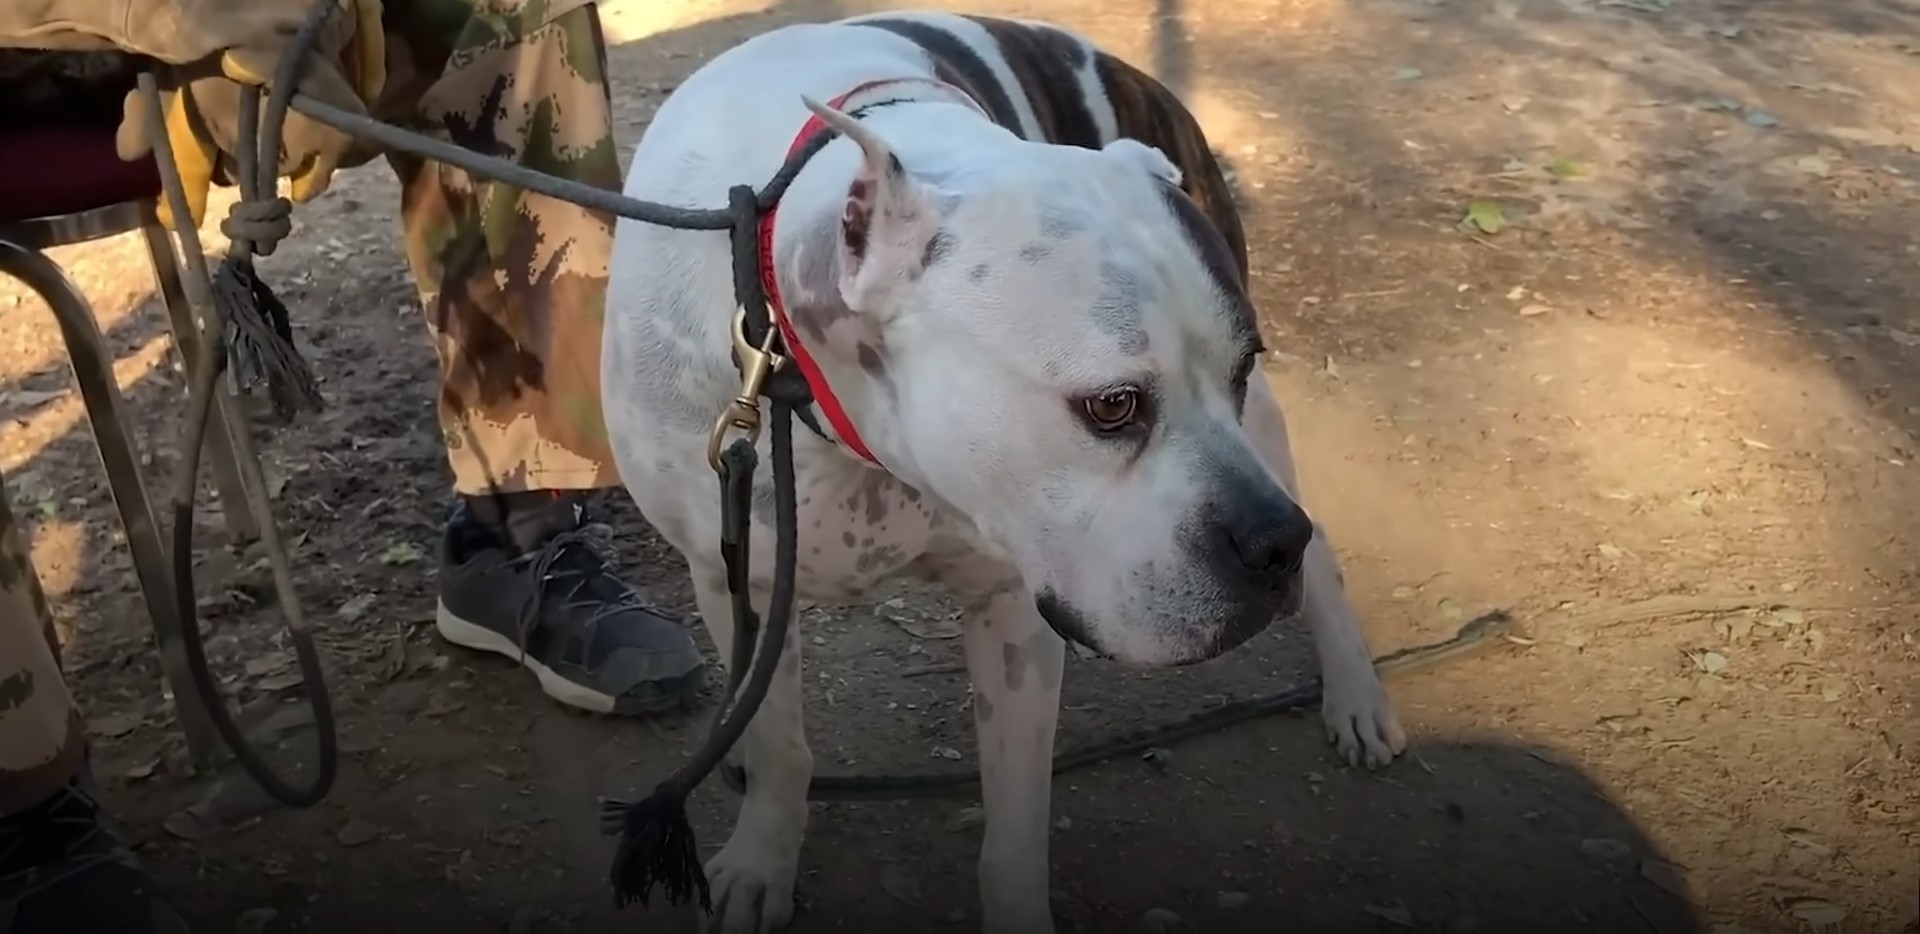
(63, 170)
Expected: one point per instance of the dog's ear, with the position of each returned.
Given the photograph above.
(1152, 160)
(888, 220)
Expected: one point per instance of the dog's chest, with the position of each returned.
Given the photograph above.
(857, 527)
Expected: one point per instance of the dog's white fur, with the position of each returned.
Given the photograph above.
(992, 485)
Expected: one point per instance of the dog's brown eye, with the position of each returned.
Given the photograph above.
(1113, 409)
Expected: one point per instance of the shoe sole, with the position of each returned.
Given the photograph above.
(470, 635)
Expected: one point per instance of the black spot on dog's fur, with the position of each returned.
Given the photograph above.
(939, 247)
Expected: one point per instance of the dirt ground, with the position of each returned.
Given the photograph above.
(1576, 305)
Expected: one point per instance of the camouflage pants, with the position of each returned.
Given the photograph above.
(513, 283)
(42, 738)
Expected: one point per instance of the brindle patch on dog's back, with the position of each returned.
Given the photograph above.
(1045, 62)
(1054, 73)
(1148, 111)
(956, 63)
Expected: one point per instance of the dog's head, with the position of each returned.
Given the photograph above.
(1058, 347)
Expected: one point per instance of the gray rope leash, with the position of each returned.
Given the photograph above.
(213, 359)
(519, 176)
(245, 326)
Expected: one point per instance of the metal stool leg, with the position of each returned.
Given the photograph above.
(242, 524)
(93, 373)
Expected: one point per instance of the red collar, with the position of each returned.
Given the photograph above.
(823, 397)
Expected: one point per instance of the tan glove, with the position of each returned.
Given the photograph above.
(347, 68)
(178, 32)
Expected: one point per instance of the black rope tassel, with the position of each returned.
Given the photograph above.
(259, 336)
(657, 847)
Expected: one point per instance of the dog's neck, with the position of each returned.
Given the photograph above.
(928, 129)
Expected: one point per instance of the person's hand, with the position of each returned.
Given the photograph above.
(347, 68)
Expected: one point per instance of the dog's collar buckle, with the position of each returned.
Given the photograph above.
(743, 413)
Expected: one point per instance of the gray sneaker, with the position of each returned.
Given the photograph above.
(63, 869)
(525, 576)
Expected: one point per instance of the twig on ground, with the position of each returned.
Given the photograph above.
(947, 669)
(1689, 604)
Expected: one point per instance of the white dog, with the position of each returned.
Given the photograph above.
(1019, 275)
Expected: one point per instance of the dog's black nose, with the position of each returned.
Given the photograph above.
(1272, 543)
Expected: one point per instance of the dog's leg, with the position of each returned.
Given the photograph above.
(1016, 662)
(1359, 717)
(752, 876)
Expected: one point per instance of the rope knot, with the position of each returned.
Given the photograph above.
(263, 222)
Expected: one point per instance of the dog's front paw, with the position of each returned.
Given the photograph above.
(1360, 720)
(752, 890)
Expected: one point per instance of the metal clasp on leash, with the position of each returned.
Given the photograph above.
(756, 364)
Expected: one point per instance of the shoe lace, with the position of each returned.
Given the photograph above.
(573, 559)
